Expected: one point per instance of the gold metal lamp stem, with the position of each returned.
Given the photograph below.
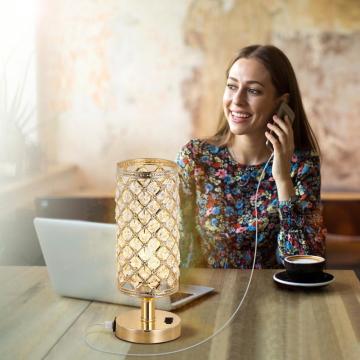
(147, 313)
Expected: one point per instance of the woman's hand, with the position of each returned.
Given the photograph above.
(283, 151)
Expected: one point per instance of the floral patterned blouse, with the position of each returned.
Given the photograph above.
(218, 217)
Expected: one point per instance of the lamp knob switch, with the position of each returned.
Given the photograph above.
(169, 320)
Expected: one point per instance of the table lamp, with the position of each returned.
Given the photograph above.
(148, 257)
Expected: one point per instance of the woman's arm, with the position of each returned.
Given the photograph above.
(189, 237)
(301, 227)
(301, 223)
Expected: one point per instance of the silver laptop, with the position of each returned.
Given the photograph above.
(80, 257)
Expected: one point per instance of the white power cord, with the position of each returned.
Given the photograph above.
(109, 324)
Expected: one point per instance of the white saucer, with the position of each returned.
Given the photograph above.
(283, 278)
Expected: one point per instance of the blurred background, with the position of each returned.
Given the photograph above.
(87, 83)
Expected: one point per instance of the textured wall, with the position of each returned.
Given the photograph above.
(121, 79)
(110, 82)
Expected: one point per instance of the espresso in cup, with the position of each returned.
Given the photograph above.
(304, 266)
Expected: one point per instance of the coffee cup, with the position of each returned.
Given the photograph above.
(300, 267)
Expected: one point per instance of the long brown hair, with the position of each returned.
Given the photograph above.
(284, 80)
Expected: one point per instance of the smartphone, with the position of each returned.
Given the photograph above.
(284, 109)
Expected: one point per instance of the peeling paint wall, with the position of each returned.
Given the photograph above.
(122, 79)
(110, 83)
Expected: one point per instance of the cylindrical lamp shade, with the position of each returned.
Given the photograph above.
(147, 215)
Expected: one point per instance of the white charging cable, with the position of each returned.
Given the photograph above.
(109, 324)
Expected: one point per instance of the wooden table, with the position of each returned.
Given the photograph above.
(273, 323)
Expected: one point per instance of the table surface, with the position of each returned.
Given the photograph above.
(272, 323)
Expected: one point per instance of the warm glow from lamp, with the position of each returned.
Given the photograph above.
(17, 15)
(147, 215)
(18, 20)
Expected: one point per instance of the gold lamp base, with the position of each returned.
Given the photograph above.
(129, 327)
(148, 326)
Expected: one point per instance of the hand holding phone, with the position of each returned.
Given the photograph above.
(284, 109)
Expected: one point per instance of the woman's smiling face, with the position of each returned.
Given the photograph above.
(250, 98)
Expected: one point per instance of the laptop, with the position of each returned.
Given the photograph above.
(81, 261)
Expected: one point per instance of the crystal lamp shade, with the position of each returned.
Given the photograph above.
(147, 215)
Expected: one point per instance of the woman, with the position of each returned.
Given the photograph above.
(220, 174)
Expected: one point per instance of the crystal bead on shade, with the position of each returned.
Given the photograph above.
(147, 215)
